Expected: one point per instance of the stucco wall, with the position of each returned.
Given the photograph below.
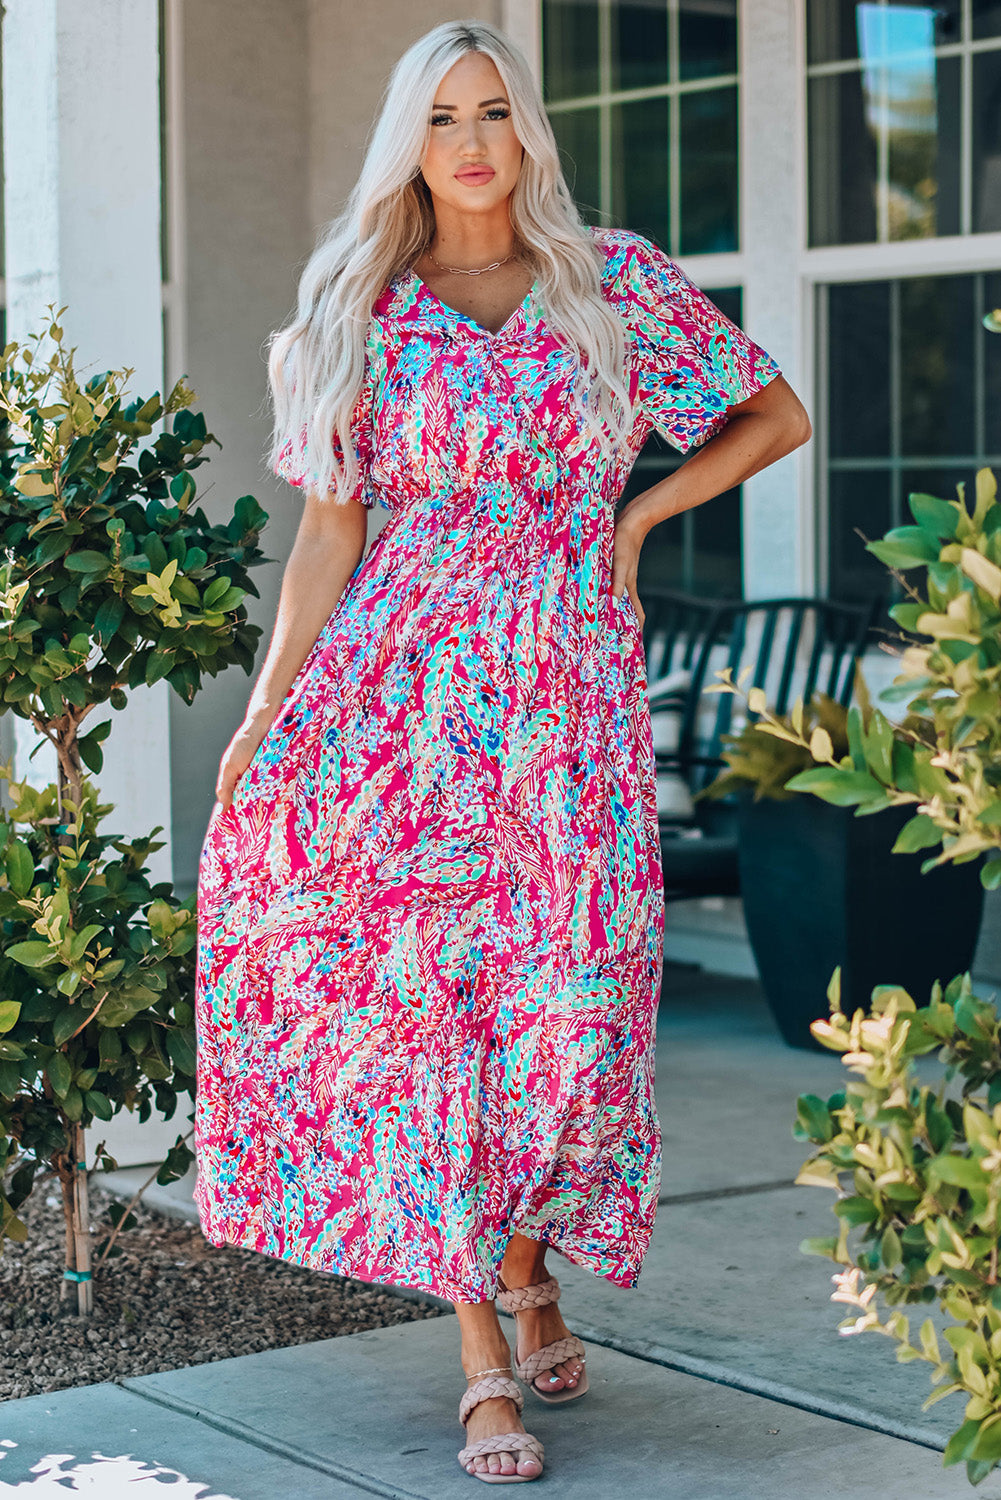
(277, 105)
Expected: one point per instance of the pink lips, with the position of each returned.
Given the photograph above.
(475, 174)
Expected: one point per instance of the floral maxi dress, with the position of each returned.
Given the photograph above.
(431, 922)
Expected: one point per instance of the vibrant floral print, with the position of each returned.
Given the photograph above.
(431, 923)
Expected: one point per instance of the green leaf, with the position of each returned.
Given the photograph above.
(98, 1104)
(961, 1171)
(10, 1079)
(842, 788)
(988, 1443)
(20, 866)
(905, 547)
(108, 619)
(937, 517)
(34, 954)
(961, 1443)
(66, 1023)
(890, 1252)
(86, 562)
(233, 597)
(919, 833)
(826, 1247)
(857, 1210)
(181, 1051)
(814, 1118)
(60, 1073)
(215, 591)
(9, 1012)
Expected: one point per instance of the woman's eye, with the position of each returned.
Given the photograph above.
(499, 112)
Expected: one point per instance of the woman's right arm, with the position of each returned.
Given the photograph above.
(328, 548)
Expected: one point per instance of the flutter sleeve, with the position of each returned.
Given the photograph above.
(692, 362)
(291, 463)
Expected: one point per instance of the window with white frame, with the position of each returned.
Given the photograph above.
(904, 119)
(642, 95)
(643, 101)
(913, 404)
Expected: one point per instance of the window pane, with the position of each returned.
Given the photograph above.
(707, 38)
(992, 368)
(905, 26)
(861, 500)
(987, 141)
(830, 30)
(640, 167)
(570, 47)
(730, 301)
(838, 30)
(843, 163)
(940, 481)
(639, 44)
(937, 322)
(986, 19)
(715, 564)
(709, 174)
(921, 115)
(859, 377)
(576, 133)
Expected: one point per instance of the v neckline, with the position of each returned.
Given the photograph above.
(464, 317)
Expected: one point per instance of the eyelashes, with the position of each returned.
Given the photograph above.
(499, 112)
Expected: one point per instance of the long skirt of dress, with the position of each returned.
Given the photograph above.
(431, 923)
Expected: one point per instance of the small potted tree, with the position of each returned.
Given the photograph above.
(110, 579)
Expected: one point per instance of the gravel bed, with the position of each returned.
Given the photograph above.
(168, 1300)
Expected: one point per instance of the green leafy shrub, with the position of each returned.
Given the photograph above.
(917, 1170)
(760, 763)
(110, 579)
(96, 974)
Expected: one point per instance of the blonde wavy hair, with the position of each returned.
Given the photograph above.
(316, 361)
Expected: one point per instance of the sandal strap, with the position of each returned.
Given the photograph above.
(550, 1355)
(485, 1389)
(504, 1442)
(516, 1299)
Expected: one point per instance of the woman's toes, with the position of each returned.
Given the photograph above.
(529, 1466)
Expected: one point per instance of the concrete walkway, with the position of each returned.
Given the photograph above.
(722, 1377)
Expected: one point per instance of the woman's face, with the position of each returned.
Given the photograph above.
(473, 156)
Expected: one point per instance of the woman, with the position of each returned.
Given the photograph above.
(430, 899)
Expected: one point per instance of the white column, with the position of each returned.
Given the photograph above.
(778, 510)
(82, 176)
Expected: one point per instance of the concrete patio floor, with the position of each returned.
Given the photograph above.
(722, 1375)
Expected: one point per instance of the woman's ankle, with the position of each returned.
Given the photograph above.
(524, 1262)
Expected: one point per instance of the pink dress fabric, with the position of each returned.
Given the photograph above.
(431, 923)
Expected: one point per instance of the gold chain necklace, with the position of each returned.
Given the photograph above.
(477, 271)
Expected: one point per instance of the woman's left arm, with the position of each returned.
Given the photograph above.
(760, 430)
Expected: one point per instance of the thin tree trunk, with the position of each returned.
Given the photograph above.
(66, 1184)
(76, 1202)
(81, 1223)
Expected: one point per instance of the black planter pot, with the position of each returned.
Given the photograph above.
(820, 888)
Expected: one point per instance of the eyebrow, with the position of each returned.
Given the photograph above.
(482, 104)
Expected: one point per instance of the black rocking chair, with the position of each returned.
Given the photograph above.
(795, 646)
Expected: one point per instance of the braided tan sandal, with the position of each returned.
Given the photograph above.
(486, 1384)
(515, 1300)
